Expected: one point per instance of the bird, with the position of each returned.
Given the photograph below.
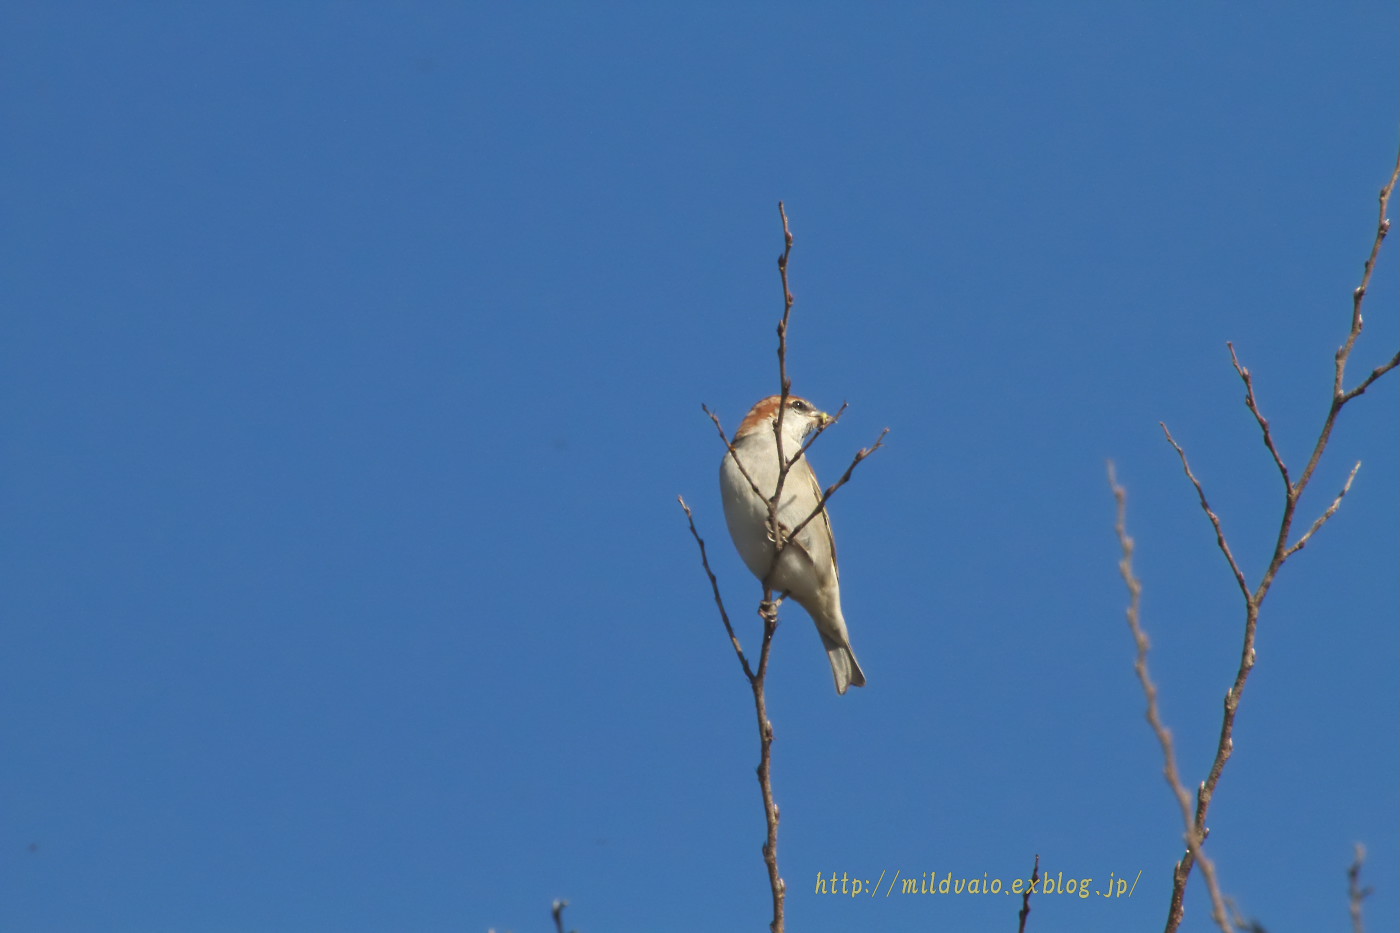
(807, 569)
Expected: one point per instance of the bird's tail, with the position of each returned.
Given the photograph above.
(844, 666)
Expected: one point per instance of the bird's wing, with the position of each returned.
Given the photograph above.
(823, 520)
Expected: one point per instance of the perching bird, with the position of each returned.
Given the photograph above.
(807, 570)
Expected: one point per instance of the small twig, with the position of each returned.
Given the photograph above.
(788, 300)
(1376, 373)
(845, 478)
(1214, 519)
(1355, 892)
(729, 445)
(1195, 833)
(781, 535)
(1359, 295)
(785, 390)
(714, 586)
(1322, 519)
(559, 915)
(1259, 416)
(1240, 921)
(1026, 898)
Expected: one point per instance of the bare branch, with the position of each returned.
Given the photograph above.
(1339, 396)
(729, 445)
(1322, 519)
(714, 586)
(1259, 416)
(1195, 832)
(787, 303)
(1214, 519)
(1026, 898)
(1376, 373)
(785, 390)
(777, 887)
(845, 478)
(1359, 295)
(768, 610)
(1355, 892)
(1281, 552)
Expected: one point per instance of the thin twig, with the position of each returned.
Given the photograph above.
(1241, 922)
(1250, 401)
(784, 391)
(1358, 296)
(776, 885)
(558, 912)
(1026, 898)
(780, 535)
(1214, 519)
(1376, 373)
(845, 478)
(729, 445)
(1321, 519)
(757, 679)
(1194, 834)
(1355, 892)
(714, 586)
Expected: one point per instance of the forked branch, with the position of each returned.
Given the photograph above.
(1197, 830)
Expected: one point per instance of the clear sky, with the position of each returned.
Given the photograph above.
(352, 362)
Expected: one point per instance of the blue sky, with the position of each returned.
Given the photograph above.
(353, 361)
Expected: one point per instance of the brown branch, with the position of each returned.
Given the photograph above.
(1214, 519)
(1241, 922)
(784, 391)
(1355, 892)
(1322, 519)
(780, 535)
(788, 300)
(1376, 373)
(1194, 834)
(1026, 898)
(845, 478)
(729, 445)
(768, 610)
(1359, 295)
(1339, 396)
(1250, 401)
(714, 586)
(1281, 552)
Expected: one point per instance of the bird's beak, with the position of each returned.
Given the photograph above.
(823, 418)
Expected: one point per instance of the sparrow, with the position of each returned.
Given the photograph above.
(807, 569)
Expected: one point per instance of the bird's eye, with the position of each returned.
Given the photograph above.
(799, 405)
